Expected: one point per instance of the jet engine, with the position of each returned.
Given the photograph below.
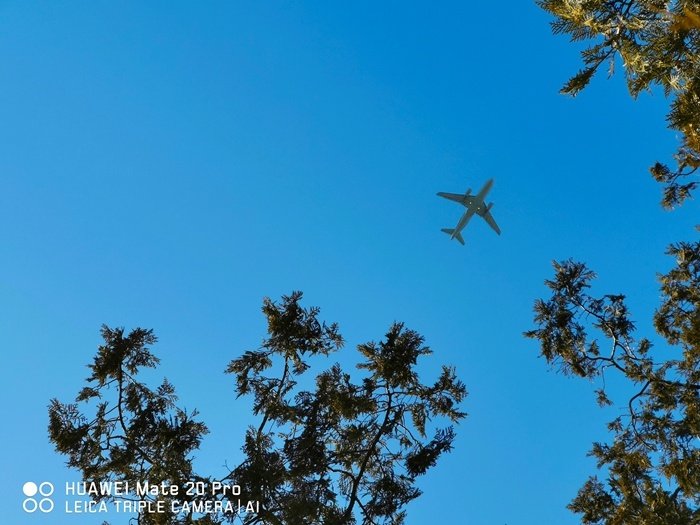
(489, 206)
(469, 192)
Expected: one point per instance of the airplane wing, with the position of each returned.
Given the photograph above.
(457, 197)
(486, 214)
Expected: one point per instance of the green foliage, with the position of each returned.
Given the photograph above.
(653, 462)
(343, 451)
(652, 468)
(658, 42)
(135, 434)
(339, 453)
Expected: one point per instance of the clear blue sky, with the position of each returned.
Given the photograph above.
(168, 164)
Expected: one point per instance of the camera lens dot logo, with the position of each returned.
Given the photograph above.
(30, 504)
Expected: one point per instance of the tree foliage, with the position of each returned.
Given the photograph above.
(658, 42)
(134, 433)
(653, 461)
(327, 451)
(343, 451)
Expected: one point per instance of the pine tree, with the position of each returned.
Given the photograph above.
(339, 453)
(653, 461)
(658, 43)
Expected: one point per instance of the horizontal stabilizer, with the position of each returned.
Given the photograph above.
(453, 235)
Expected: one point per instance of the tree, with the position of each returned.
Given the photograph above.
(653, 462)
(136, 434)
(658, 42)
(335, 453)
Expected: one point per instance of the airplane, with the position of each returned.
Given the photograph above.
(474, 204)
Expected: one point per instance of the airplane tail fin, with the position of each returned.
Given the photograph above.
(451, 233)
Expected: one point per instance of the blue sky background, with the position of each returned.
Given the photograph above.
(167, 165)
